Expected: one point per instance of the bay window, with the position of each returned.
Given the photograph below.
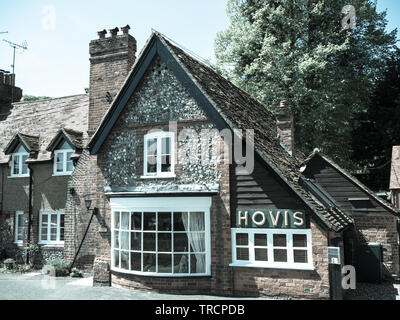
(159, 154)
(272, 248)
(51, 229)
(152, 237)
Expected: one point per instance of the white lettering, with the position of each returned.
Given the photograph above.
(245, 218)
(256, 214)
(299, 217)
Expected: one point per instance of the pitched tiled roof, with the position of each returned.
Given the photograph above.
(395, 169)
(74, 138)
(30, 142)
(44, 118)
(242, 111)
(353, 179)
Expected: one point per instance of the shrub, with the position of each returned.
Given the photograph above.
(59, 266)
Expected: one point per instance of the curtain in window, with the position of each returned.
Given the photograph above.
(196, 237)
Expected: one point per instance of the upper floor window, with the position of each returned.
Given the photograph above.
(159, 154)
(19, 167)
(63, 165)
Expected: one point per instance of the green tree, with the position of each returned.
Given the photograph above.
(298, 50)
(379, 128)
(27, 98)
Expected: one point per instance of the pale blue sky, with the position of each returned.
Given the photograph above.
(57, 62)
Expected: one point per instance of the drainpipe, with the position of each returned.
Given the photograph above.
(30, 208)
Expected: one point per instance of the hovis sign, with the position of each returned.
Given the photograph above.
(277, 219)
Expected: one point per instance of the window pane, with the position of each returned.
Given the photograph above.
(136, 261)
(16, 160)
(261, 254)
(44, 227)
(151, 164)
(136, 221)
(125, 220)
(197, 221)
(166, 164)
(149, 262)
(116, 220)
(164, 242)
(136, 241)
(197, 242)
(116, 239)
(242, 239)
(260, 240)
(197, 263)
(166, 146)
(149, 242)
(280, 255)
(242, 254)
(62, 227)
(279, 240)
(152, 147)
(24, 165)
(53, 228)
(181, 263)
(300, 256)
(164, 221)
(60, 167)
(116, 259)
(179, 219)
(165, 263)
(149, 221)
(70, 163)
(124, 240)
(59, 157)
(300, 240)
(180, 242)
(125, 260)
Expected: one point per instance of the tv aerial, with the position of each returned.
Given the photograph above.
(15, 46)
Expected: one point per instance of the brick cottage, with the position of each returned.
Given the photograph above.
(141, 214)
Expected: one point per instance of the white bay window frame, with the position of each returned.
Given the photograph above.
(271, 264)
(158, 136)
(156, 205)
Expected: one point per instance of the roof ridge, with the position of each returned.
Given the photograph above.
(50, 99)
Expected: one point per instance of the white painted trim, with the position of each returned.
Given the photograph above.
(48, 242)
(169, 204)
(20, 155)
(158, 136)
(64, 172)
(270, 264)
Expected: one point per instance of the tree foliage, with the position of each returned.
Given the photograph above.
(297, 50)
(378, 127)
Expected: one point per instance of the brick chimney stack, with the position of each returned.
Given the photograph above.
(285, 124)
(111, 59)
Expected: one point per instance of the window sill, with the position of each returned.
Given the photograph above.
(62, 174)
(17, 177)
(160, 275)
(51, 245)
(172, 176)
(305, 267)
(19, 243)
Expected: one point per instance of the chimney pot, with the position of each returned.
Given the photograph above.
(102, 34)
(114, 32)
(284, 103)
(125, 29)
